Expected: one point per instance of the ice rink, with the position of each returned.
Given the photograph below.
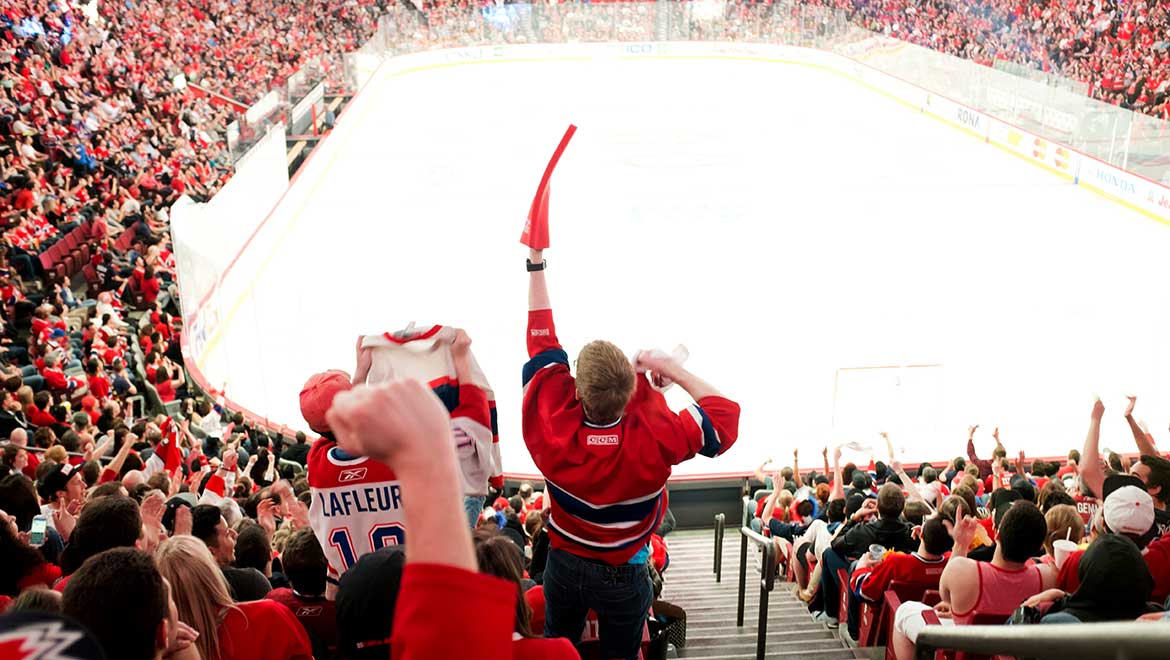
(781, 222)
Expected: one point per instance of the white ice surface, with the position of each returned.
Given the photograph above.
(779, 221)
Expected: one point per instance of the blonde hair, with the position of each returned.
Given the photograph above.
(198, 587)
(605, 381)
(280, 538)
(783, 503)
(57, 454)
(970, 482)
(1063, 522)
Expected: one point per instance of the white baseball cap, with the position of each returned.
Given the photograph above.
(1129, 510)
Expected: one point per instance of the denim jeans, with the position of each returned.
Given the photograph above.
(474, 508)
(621, 596)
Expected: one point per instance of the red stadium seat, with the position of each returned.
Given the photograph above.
(872, 630)
(843, 599)
(980, 619)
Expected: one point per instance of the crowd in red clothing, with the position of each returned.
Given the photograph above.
(1121, 49)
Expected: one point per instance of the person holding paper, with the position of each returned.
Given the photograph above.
(606, 441)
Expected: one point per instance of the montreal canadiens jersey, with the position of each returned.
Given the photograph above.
(607, 482)
(425, 355)
(356, 507)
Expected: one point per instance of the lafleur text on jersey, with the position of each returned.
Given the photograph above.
(359, 500)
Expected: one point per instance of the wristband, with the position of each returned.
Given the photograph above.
(532, 268)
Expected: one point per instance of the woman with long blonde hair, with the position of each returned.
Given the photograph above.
(257, 630)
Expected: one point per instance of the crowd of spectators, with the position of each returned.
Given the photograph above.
(1120, 49)
(188, 533)
(99, 130)
(993, 540)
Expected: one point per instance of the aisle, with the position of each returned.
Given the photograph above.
(711, 630)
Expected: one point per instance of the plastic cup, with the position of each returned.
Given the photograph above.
(1061, 549)
(876, 552)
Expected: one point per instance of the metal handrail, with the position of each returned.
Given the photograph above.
(42, 450)
(720, 530)
(767, 581)
(1098, 641)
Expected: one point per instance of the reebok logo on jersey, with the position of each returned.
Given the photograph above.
(539, 332)
(601, 440)
(354, 474)
(314, 610)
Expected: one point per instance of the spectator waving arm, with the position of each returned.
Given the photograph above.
(1092, 475)
(1143, 440)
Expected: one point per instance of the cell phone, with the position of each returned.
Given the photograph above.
(36, 533)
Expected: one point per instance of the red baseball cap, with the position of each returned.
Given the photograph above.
(317, 397)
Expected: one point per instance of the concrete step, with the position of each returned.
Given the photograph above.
(840, 653)
(709, 638)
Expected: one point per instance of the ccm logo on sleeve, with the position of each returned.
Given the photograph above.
(539, 332)
(601, 440)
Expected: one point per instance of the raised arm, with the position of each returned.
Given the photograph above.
(692, 384)
(796, 468)
(759, 472)
(971, 445)
(537, 287)
(825, 460)
(1092, 476)
(1143, 440)
(838, 491)
(770, 505)
(912, 492)
(400, 424)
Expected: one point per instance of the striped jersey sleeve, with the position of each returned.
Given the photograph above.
(708, 427)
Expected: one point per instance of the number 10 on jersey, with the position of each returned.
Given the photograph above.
(380, 536)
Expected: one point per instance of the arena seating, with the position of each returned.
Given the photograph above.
(97, 141)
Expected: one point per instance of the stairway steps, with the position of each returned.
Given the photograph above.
(712, 606)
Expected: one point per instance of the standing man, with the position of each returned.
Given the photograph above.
(605, 442)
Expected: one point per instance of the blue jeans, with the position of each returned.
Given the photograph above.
(621, 596)
(1060, 617)
(474, 508)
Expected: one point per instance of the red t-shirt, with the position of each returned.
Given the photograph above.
(149, 289)
(99, 386)
(873, 581)
(38, 417)
(263, 630)
(1157, 556)
(43, 575)
(317, 615)
(166, 391)
(24, 199)
(30, 470)
(433, 595)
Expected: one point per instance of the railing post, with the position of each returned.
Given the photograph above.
(715, 553)
(720, 531)
(766, 582)
(743, 543)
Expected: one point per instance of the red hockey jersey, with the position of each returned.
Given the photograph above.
(607, 484)
(356, 507)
